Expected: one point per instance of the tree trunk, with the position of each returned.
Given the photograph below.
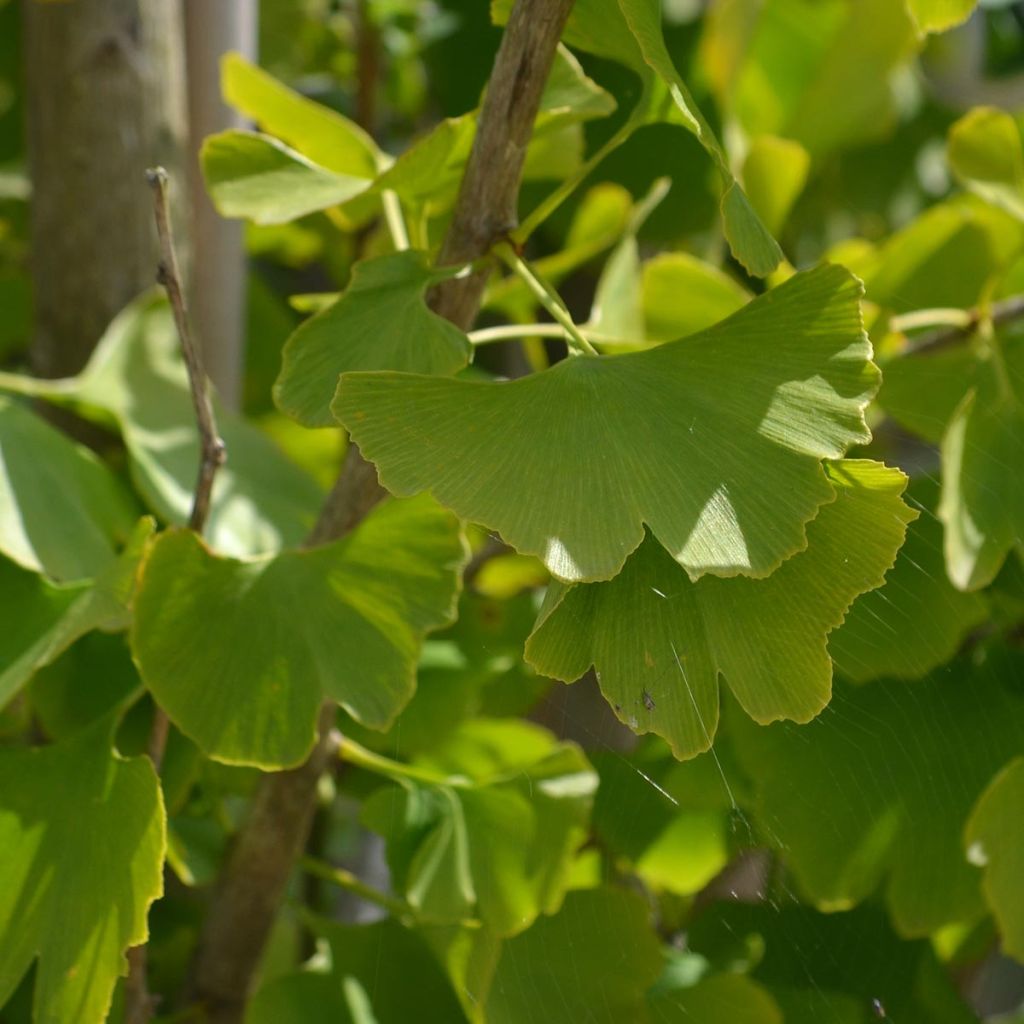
(105, 101)
(213, 28)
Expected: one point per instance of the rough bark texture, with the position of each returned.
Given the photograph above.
(105, 101)
(254, 880)
(213, 28)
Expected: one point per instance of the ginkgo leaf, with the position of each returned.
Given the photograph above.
(81, 860)
(380, 322)
(986, 154)
(995, 842)
(734, 995)
(62, 511)
(917, 620)
(136, 380)
(713, 441)
(659, 641)
(878, 788)
(487, 834)
(319, 133)
(982, 502)
(41, 619)
(254, 176)
(592, 961)
(939, 15)
(240, 654)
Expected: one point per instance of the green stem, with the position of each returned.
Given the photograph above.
(553, 200)
(392, 206)
(351, 883)
(546, 296)
(354, 753)
(509, 332)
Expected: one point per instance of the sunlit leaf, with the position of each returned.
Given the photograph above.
(62, 511)
(986, 154)
(81, 858)
(256, 177)
(495, 835)
(878, 789)
(380, 322)
(660, 642)
(41, 619)
(982, 503)
(774, 173)
(136, 379)
(241, 654)
(939, 15)
(713, 441)
(815, 71)
(320, 134)
(995, 842)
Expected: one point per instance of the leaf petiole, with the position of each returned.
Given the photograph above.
(547, 296)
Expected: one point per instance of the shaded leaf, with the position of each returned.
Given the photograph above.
(62, 511)
(713, 441)
(499, 847)
(841, 968)
(241, 654)
(995, 842)
(879, 787)
(715, 998)
(380, 974)
(593, 961)
(659, 642)
(380, 322)
(81, 858)
(916, 621)
(42, 619)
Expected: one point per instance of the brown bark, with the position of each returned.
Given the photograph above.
(105, 101)
(255, 877)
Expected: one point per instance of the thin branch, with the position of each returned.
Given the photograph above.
(547, 297)
(212, 451)
(999, 314)
(140, 1003)
(355, 885)
(268, 847)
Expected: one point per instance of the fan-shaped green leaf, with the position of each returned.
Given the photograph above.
(593, 961)
(319, 133)
(917, 620)
(241, 654)
(255, 176)
(986, 154)
(659, 642)
(41, 619)
(982, 502)
(81, 860)
(380, 322)
(62, 511)
(713, 999)
(713, 441)
(995, 842)
(879, 787)
(939, 15)
(499, 847)
(137, 380)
